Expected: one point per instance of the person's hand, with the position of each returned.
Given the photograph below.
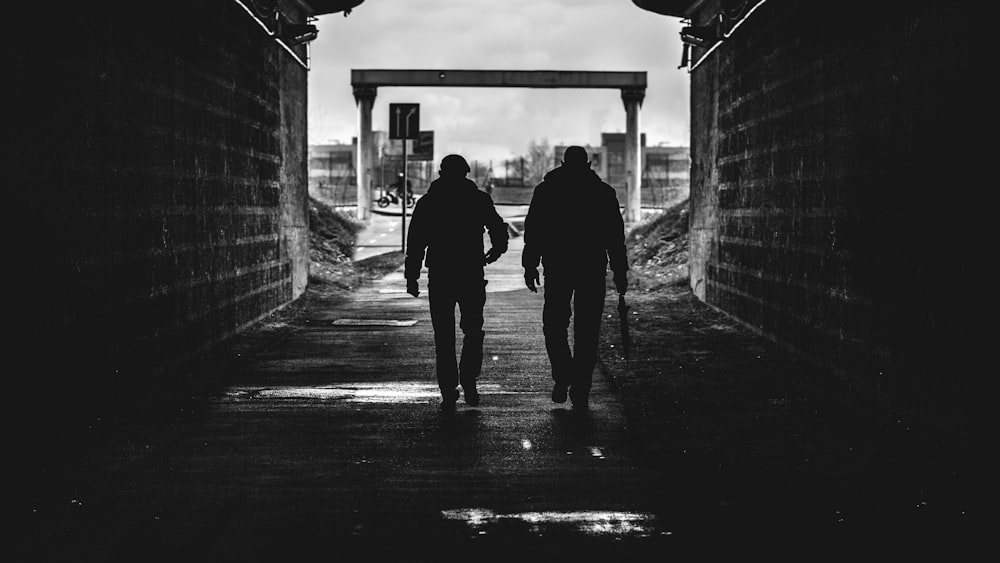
(493, 255)
(413, 288)
(531, 279)
(621, 283)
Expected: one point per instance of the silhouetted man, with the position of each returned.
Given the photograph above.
(448, 223)
(574, 228)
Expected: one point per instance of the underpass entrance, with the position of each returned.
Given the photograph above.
(366, 83)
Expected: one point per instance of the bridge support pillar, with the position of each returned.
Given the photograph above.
(364, 96)
(632, 98)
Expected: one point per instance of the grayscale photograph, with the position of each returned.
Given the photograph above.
(471, 280)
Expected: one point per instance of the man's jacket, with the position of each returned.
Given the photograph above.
(447, 227)
(574, 225)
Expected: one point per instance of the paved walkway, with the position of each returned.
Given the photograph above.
(332, 438)
(327, 443)
(383, 231)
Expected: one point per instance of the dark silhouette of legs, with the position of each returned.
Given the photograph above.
(442, 304)
(444, 293)
(555, 325)
(471, 303)
(583, 300)
(588, 306)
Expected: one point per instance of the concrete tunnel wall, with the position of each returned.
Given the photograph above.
(158, 153)
(827, 158)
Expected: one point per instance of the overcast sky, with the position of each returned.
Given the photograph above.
(493, 123)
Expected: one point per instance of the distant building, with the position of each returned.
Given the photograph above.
(332, 175)
(598, 158)
(665, 169)
(665, 175)
(388, 160)
(615, 145)
(332, 178)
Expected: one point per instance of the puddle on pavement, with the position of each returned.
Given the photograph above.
(590, 522)
(394, 392)
(376, 322)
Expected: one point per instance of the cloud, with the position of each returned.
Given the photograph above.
(515, 34)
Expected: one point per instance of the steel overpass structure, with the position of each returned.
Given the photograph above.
(366, 83)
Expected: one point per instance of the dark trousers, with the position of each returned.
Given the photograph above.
(444, 292)
(581, 297)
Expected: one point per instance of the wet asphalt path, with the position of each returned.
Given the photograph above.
(331, 441)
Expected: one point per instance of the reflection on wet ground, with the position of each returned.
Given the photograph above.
(375, 322)
(391, 392)
(590, 522)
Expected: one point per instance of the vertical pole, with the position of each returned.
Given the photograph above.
(365, 98)
(632, 98)
(329, 177)
(402, 200)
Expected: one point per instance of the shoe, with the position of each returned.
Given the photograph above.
(471, 394)
(580, 402)
(448, 400)
(559, 391)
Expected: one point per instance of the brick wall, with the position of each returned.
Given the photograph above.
(827, 161)
(157, 157)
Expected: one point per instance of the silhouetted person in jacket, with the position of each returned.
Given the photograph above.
(574, 228)
(448, 224)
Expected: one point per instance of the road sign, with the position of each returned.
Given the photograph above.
(423, 147)
(404, 121)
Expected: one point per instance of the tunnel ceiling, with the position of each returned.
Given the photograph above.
(678, 8)
(320, 7)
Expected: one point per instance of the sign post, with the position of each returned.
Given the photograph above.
(404, 124)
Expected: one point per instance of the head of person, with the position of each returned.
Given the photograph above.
(576, 157)
(454, 166)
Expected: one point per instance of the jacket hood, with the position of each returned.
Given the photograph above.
(443, 184)
(572, 174)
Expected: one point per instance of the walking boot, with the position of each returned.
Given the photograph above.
(559, 391)
(448, 400)
(471, 393)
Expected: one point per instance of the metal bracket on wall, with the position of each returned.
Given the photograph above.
(699, 33)
(275, 35)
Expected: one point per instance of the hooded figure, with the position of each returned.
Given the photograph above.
(574, 229)
(446, 235)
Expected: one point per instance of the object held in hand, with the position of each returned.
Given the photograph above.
(623, 324)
